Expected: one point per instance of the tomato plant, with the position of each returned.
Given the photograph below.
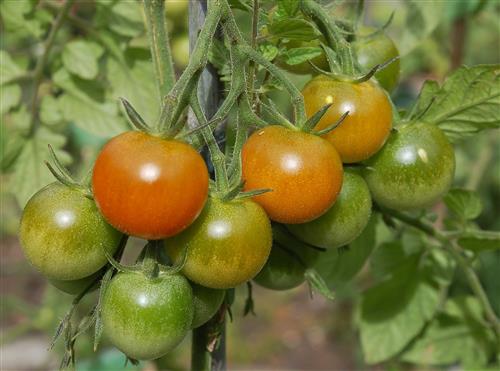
(149, 187)
(413, 170)
(367, 126)
(63, 235)
(147, 317)
(224, 249)
(344, 221)
(304, 173)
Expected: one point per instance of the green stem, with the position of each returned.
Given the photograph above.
(251, 69)
(160, 46)
(40, 65)
(456, 253)
(200, 357)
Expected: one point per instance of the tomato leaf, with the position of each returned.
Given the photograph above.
(9, 70)
(11, 95)
(479, 240)
(300, 55)
(293, 29)
(467, 103)
(465, 204)
(18, 17)
(81, 58)
(287, 8)
(123, 18)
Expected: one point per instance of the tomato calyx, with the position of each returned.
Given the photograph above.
(237, 193)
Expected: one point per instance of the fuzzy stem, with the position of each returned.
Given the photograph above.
(159, 44)
(40, 65)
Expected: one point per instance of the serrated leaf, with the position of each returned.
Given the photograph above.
(467, 103)
(17, 16)
(293, 29)
(338, 267)
(9, 70)
(455, 336)
(464, 203)
(133, 79)
(300, 55)
(479, 240)
(30, 173)
(11, 94)
(83, 103)
(268, 50)
(81, 58)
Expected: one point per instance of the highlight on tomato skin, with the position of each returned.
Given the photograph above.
(368, 124)
(303, 172)
(149, 187)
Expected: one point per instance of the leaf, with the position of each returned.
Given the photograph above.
(293, 29)
(17, 16)
(81, 58)
(268, 50)
(133, 79)
(467, 103)
(11, 95)
(122, 17)
(50, 111)
(338, 266)
(287, 8)
(464, 203)
(30, 173)
(455, 336)
(12, 137)
(83, 103)
(394, 312)
(300, 55)
(9, 70)
(478, 240)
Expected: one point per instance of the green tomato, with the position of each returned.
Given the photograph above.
(63, 235)
(75, 287)
(413, 170)
(227, 245)
(206, 303)
(378, 49)
(344, 221)
(147, 318)
(287, 263)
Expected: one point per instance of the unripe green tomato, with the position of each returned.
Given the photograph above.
(147, 318)
(413, 170)
(63, 235)
(287, 263)
(206, 303)
(378, 49)
(344, 221)
(75, 287)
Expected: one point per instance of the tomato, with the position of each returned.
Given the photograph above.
(75, 287)
(63, 235)
(303, 171)
(413, 170)
(287, 263)
(147, 318)
(227, 245)
(368, 124)
(149, 187)
(344, 221)
(378, 49)
(206, 303)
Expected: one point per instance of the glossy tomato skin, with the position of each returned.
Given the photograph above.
(149, 187)
(63, 235)
(303, 171)
(147, 318)
(344, 221)
(227, 245)
(286, 266)
(206, 303)
(365, 129)
(378, 49)
(413, 170)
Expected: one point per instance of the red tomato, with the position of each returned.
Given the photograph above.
(303, 170)
(149, 187)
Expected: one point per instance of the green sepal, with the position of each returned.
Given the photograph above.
(252, 193)
(314, 119)
(318, 284)
(134, 117)
(332, 126)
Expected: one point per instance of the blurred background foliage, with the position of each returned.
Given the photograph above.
(100, 54)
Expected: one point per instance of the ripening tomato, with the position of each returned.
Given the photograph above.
(286, 266)
(413, 170)
(147, 317)
(227, 245)
(149, 187)
(378, 49)
(303, 171)
(365, 129)
(206, 302)
(63, 235)
(344, 221)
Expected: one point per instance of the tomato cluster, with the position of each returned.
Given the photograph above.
(319, 184)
